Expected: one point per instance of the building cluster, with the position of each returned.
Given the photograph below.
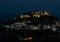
(24, 25)
(36, 14)
(34, 24)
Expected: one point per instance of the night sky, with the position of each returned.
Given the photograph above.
(12, 8)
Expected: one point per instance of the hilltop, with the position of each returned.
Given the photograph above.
(34, 16)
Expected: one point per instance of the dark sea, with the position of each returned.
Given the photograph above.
(12, 8)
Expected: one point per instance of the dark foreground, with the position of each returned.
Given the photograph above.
(41, 36)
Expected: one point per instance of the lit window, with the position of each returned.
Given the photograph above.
(17, 23)
(21, 16)
(26, 16)
(46, 13)
(48, 26)
(28, 38)
(36, 15)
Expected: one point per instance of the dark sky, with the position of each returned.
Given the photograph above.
(11, 8)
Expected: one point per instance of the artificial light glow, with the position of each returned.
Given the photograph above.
(49, 27)
(45, 13)
(28, 38)
(26, 16)
(36, 15)
(21, 16)
(17, 23)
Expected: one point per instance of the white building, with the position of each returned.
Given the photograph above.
(53, 27)
(35, 28)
